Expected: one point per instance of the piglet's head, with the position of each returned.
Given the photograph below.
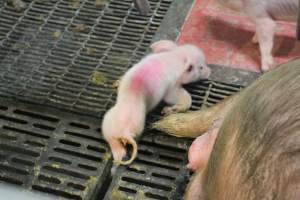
(195, 66)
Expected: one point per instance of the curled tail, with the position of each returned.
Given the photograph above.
(132, 142)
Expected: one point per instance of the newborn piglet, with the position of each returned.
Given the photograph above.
(158, 76)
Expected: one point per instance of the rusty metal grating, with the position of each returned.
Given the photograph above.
(159, 171)
(46, 59)
(53, 152)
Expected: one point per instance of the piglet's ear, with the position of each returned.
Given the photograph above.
(163, 45)
(188, 64)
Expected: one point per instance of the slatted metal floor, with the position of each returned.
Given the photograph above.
(59, 60)
(62, 153)
(50, 51)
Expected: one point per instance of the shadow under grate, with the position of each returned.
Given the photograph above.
(159, 171)
(51, 151)
(50, 51)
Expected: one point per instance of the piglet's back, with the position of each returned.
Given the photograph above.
(150, 78)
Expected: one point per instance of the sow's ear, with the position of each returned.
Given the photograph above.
(163, 45)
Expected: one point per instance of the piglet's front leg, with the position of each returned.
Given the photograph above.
(179, 98)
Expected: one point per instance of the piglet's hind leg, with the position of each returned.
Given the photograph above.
(118, 150)
(265, 29)
(254, 39)
(180, 99)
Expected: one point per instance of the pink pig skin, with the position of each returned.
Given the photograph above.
(200, 150)
(159, 76)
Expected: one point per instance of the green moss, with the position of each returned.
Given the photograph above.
(98, 78)
(91, 51)
(75, 4)
(100, 2)
(81, 28)
(106, 156)
(116, 194)
(56, 34)
(55, 165)
(18, 5)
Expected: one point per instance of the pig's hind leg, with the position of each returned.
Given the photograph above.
(265, 29)
(254, 39)
(180, 100)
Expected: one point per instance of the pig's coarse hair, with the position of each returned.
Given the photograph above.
(257, 152)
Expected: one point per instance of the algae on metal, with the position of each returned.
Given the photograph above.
(81, 28)
(55, 166)
(91, 51)
(100, 3)
(56, 34)
(116, 194)
(106, 156)
(136, 167)
(41, 18)
(74, 4)
(37, 170)
(98, 78)
(18, 5)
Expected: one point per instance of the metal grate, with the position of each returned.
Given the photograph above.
(208, 93)
(50, 51)
(57, 153)
(63, 153)
(159, 171)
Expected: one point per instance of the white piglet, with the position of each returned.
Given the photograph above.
(158, 76)
(264, 13)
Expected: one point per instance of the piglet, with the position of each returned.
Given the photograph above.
(264, 13)
(158, 76)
